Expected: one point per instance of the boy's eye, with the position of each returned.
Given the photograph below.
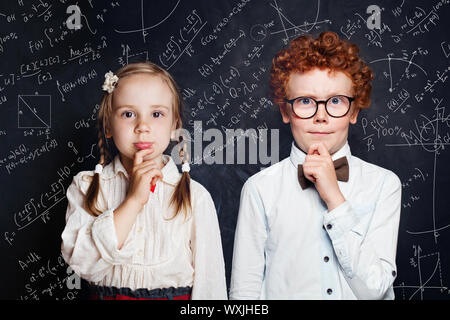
(305, 100)
(335, 100)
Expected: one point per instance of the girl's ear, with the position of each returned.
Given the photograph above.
(173, 135)
(174, 130)
(107, 133)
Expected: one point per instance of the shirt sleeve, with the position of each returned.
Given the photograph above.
(206, 245)
(89, 244)
(249, 246)
(365, 240)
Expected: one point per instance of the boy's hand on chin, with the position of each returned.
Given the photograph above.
(319, 168)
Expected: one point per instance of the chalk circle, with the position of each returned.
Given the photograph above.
(258, 32)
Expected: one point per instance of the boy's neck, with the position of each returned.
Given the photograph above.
(306, 152)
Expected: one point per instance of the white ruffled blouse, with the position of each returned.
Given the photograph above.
(158, 252)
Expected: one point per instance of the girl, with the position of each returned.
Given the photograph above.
(135, 227)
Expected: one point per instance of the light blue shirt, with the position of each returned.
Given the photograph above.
(289, 246)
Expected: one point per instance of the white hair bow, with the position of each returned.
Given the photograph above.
(110, 82)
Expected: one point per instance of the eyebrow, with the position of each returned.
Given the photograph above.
(315, 97)
(152, 106)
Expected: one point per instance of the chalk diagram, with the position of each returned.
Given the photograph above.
(430, 139)
(143, 29)
(430, 133)
(290, 29)
(432, 281)
(128, 57)
(407, 73)
(34, 111)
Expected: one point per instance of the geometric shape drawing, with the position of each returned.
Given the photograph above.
(429, 271)
(34, 111)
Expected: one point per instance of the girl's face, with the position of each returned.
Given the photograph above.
(142, 113)
(320, 85)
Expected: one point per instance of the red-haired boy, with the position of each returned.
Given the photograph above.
(322, 223)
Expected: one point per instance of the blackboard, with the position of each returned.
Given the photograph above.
(219, 52)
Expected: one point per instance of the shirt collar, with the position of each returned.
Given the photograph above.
(297, 155)
(170, 172)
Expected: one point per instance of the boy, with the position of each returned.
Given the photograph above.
(301, 233)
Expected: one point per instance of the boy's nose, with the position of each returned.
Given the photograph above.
(321, 114)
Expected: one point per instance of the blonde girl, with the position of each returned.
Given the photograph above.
(135, 227)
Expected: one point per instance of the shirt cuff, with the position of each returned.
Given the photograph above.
(104, 236)
(340, 220)
(337, 223)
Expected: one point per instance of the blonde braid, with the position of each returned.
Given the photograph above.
(181, 197)
(94, 188)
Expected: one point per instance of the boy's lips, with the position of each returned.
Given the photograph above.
(143, 145)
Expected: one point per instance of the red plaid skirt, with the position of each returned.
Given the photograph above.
(113, 293)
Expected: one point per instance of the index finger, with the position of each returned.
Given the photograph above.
(139, 156)
(318, 148)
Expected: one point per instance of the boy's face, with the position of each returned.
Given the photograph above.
(320, 85)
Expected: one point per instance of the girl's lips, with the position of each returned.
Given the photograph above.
(143, 145)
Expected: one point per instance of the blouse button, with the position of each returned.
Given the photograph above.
(329, 291)
(326, 259)
(329, 226)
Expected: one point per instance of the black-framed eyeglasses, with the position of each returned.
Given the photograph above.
(306, 107)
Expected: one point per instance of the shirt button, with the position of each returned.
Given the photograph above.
(394, 273)
(326, 259)
(329, 291)
(329, 226)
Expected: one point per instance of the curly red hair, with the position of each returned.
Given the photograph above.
(326, 52)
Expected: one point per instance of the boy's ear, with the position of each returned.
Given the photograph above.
(354, 116)
(284, 113)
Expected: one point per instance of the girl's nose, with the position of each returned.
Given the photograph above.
(142, 126)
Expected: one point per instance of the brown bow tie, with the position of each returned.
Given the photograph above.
(340, 165)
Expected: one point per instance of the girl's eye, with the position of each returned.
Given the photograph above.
(127, 114)
(157, 114)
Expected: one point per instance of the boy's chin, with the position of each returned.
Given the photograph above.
(305, 146)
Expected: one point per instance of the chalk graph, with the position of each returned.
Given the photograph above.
(292, 30)
(431, 281)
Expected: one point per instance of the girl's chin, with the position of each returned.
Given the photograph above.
(148, 157)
